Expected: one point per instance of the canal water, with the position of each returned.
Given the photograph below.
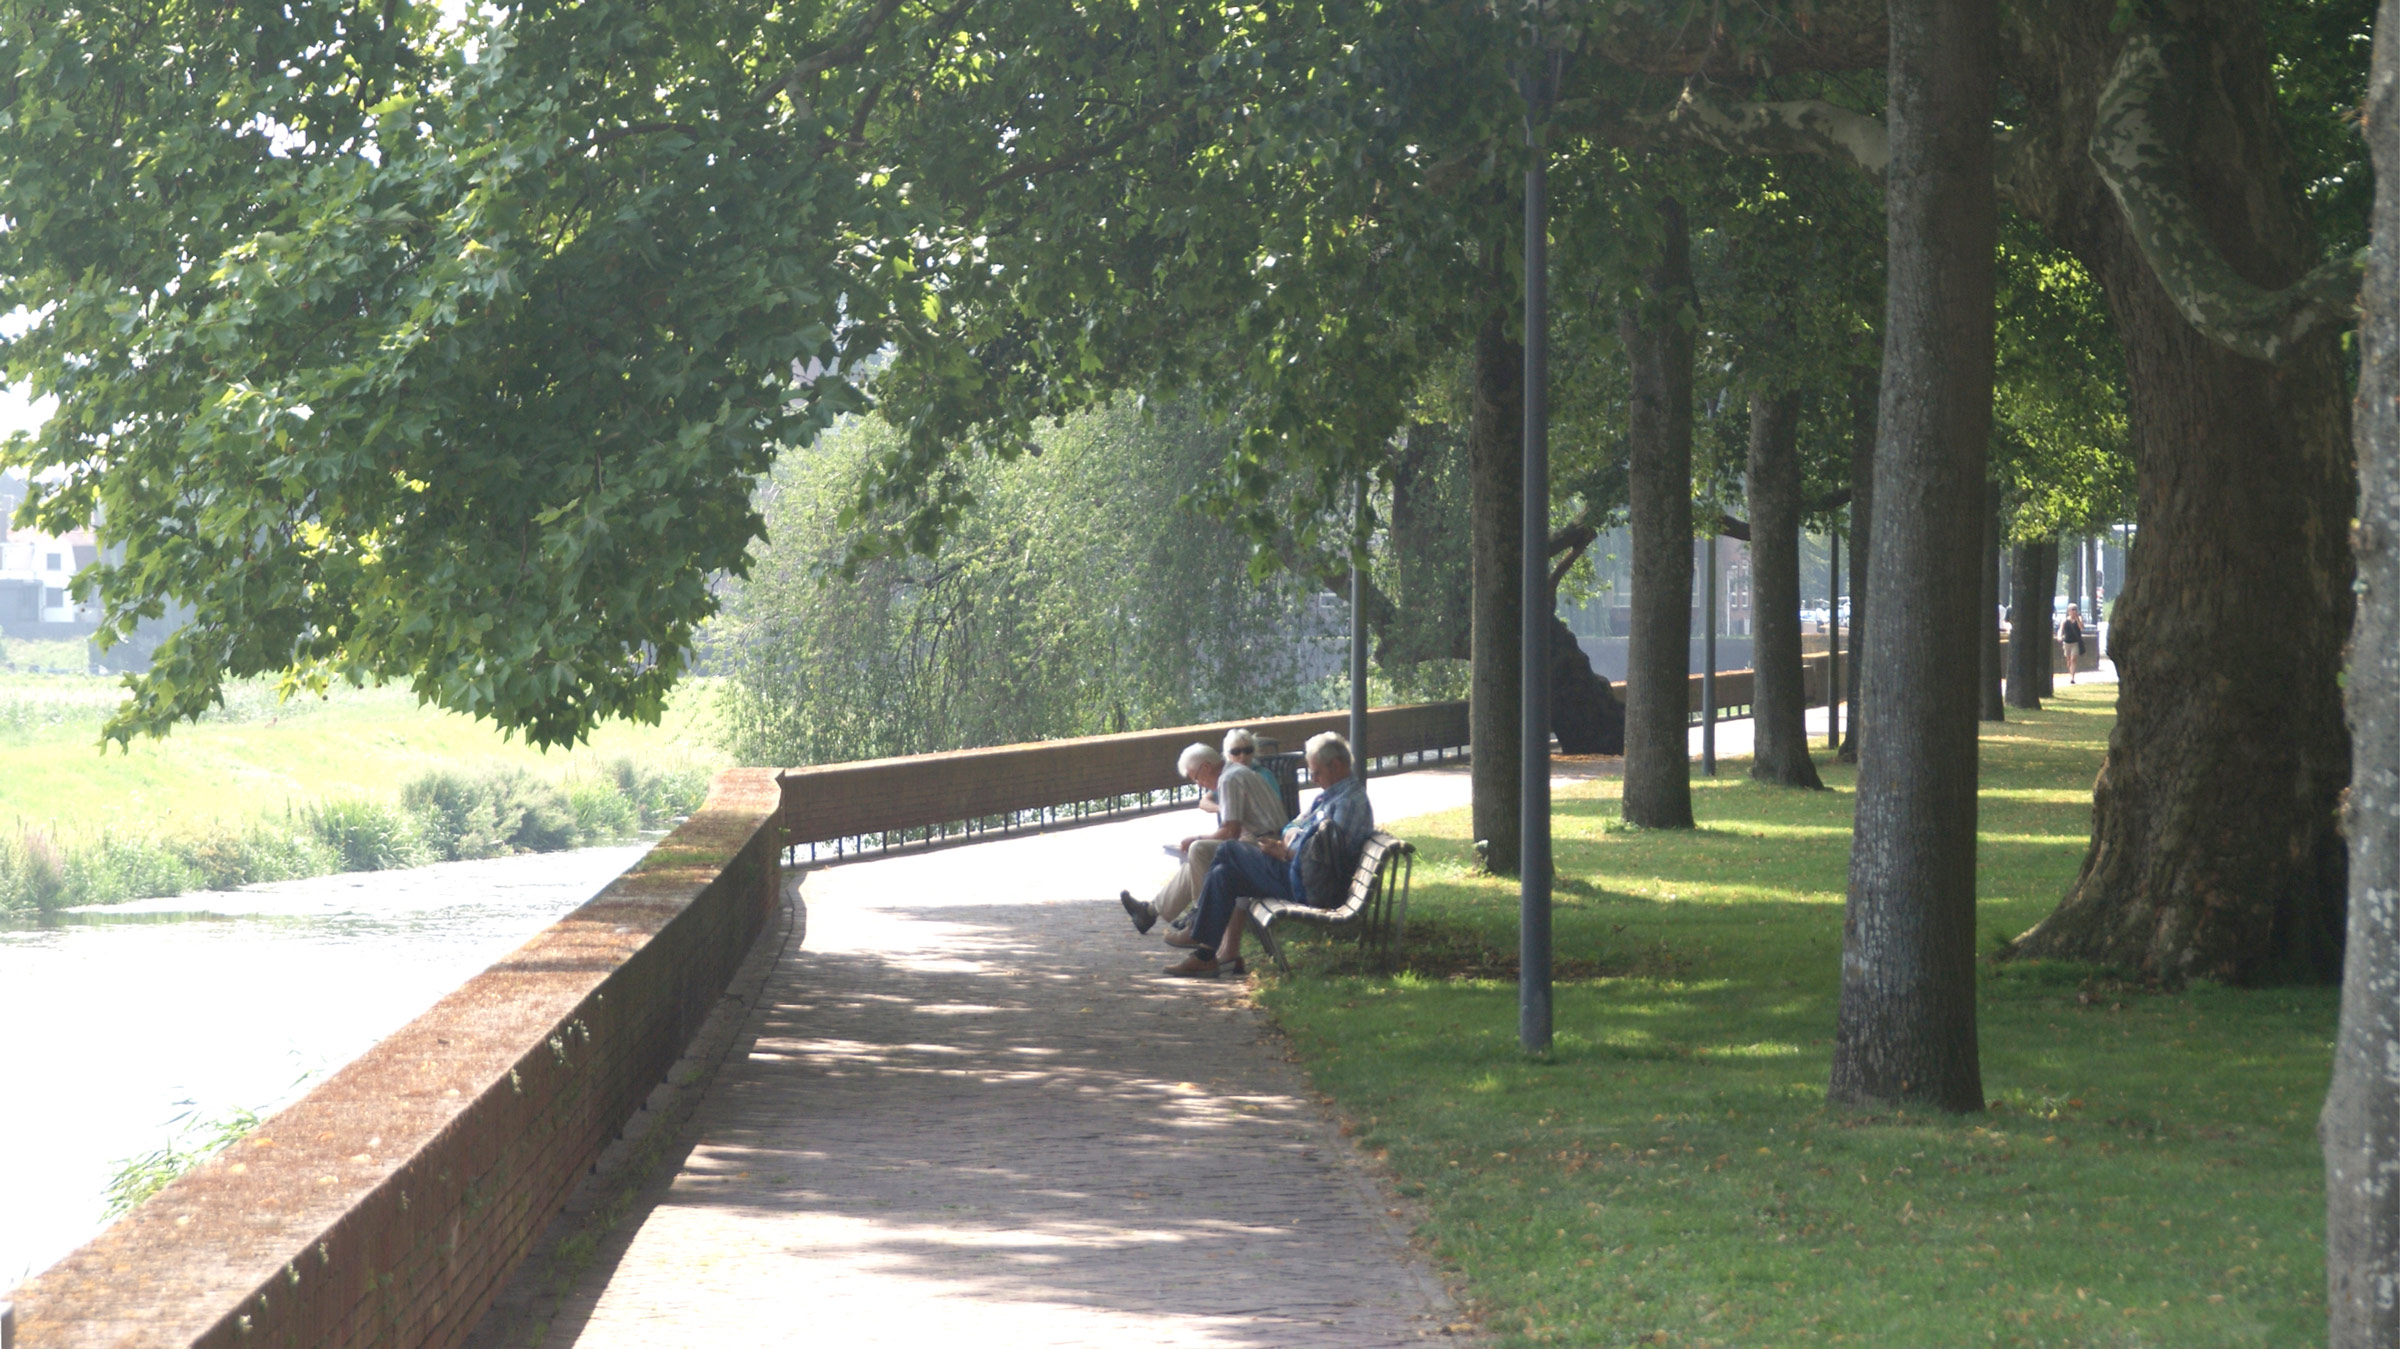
(123, 1027)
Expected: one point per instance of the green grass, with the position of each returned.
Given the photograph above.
(1671, 1174)
(260, 756)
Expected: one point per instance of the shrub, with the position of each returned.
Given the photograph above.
(262, 850)
(368, 835)
(32, 874)
(499, 810)
(660, 792)
(113, 867)
(602, 812)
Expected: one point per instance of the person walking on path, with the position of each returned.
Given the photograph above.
(2070, 640)
(1270, 868)
(1247, 806)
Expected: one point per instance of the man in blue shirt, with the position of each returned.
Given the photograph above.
(1270, 868)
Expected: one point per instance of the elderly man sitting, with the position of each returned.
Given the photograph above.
(1247, 806)
(1270, 868)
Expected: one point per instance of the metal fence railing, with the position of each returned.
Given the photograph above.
(927, 800)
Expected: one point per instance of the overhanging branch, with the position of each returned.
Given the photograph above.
(1803, 126)
(2142, 163)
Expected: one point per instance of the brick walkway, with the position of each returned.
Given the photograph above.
(974, 1113)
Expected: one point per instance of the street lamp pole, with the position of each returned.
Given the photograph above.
(1533, 873)
(1358, 632)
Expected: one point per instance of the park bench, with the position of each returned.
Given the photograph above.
(1375, 908)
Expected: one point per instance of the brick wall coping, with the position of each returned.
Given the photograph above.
(386, 1206)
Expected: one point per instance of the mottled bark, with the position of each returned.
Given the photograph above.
(1987, 614)
(1863, 398)
(1657, 333)
(1906, 1027)
(2214, 852)
(2028, 627)
(1779, 693)
(2137, 144)
(2360, 1128)
(1496, 476)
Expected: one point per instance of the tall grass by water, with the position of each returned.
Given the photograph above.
(443, 814)
(269, 788)
(1671, 1174)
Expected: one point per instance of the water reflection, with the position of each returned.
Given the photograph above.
(115, 1022)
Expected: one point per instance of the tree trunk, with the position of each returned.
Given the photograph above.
(2360, 1128)
(1779, 693)
(2046, 668)
(1496, 474)
(2214, 852)
(1431, 547)
(2028, 627)
(1906, 1028)
(1987, 611)
(1862, 517)
(1657, 334)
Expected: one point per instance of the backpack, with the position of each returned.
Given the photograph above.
(1325, 867)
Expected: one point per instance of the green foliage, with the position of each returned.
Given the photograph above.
(32, 873)
(367, 834)
(489, 812)
(2148, 1172)
(1075, 597)
(137, 1178)
(2061, 440)
(600, 810)
(656, 790)
(406, 343)
(224, 859)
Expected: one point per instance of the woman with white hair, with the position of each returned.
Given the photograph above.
(1247, 806)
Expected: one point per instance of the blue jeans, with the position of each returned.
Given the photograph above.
(1241, 871)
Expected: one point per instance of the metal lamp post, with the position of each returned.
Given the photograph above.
(1539, 86)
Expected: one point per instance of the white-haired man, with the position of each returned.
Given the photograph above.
(1270, 868)
(1247, 806)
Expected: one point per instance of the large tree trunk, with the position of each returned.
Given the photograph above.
(1779, 695)
(1987, 613)
(1496, 473)
(1863, 398)
(2214, 852)
(2360, 1128)
(1906, 1028)
(2046, 669)
(2028, 627)
(1657, 334)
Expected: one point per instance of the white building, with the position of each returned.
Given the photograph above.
(35, 570)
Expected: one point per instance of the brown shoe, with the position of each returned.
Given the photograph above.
(1185, 940)
(1138, 910)
(1197, 965)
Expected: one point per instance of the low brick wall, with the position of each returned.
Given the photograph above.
(847, 800)
(387, 1206)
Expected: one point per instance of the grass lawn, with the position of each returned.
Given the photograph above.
(259, 756)
(2147, 1174)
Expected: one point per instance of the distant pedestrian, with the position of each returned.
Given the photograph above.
(2070, 640)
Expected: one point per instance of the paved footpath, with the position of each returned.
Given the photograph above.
(973, 1112)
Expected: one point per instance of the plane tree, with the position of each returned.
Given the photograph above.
(392, 347)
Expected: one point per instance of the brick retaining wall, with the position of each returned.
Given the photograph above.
(387, 1206)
